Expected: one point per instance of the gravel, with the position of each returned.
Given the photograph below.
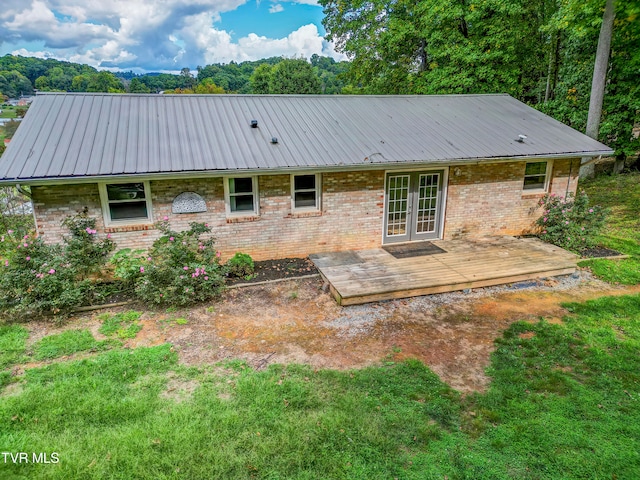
(360, 319)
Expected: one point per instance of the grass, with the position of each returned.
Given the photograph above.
(563, 403)
(13, 339)
(8, 112)
(122, 325)
(620, 193)
(67, 343)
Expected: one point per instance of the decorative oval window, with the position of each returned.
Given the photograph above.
(188, 202)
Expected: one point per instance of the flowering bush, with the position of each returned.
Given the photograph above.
(83, 249)
(181, 268)
(129, 265)
(38, 279)
(570, 222)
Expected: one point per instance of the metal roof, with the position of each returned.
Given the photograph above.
(75, 136)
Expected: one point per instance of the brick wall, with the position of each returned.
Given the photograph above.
(482, 200)
(488, 199)
(351, 215)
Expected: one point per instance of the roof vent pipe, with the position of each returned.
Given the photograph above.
(521, 138)
(274, 140)
(254, 123)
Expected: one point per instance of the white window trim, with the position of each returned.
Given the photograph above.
(547, 178)
(318, 190)
(106, 212)
(227, 197)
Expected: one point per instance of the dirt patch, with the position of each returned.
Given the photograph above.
(277, 269)
(179, 389)
(526, 335)
(298, 322)
(11, 390)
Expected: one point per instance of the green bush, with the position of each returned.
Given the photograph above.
(128, 265)
(240, 265)
(570, 222)
(83, 249)
(39, 279)
(181, 268)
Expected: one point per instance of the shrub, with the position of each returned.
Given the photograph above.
(38, 279)
(570, 222)
(128, 265)
(83, 248)
(181, 269)
(240, 265)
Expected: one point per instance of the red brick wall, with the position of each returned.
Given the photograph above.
(482, 200)
(488, 199)
(351, 215)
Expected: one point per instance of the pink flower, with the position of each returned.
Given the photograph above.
(26, 236)
(88, 230)
(206, 278)
(160, 294)
(185, 268)
(148, 259)
(591, 210)
(39, 275)
(9, 232)
(165, 218)
(544, 231)
(141, 269)
(218, 254)
(206, 225)
(108, 235)
(52, 271)
(26, 244)
(181, 276)
(29, 258)
(567, 222)
(6, 263)
(186, 289)
(544, 219)
(171, 239)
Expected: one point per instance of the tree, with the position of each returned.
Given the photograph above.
(294, 76)
(599, 78)
(137, 86)
(260, 79)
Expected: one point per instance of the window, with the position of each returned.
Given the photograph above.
(126, 203)
(242, 195)
(536, 175)
(305, 192)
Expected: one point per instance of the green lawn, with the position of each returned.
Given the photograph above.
(620, 193)
(564, 404)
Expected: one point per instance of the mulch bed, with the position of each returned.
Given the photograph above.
(599, 252)
(278, 269)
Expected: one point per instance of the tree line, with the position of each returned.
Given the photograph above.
(539, 51)
(322, 75)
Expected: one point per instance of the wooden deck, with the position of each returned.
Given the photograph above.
(361, 276)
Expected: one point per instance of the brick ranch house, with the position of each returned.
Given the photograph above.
(282, 176)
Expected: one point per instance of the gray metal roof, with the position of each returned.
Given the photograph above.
(75, 136)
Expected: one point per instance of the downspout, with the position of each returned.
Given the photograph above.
(24, 192)
(569, 179)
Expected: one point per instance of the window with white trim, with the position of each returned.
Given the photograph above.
(536, 175)
(305, 192)
(242, 195)
(126, 203)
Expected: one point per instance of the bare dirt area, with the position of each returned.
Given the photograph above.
(297, 321)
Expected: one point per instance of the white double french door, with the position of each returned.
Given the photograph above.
(413, 206)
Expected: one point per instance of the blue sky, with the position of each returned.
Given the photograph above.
(162, 35)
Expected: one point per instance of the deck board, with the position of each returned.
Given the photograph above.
(374, 275)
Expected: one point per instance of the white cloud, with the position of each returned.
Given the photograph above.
(151, 34)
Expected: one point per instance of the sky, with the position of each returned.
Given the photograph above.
(162, 35)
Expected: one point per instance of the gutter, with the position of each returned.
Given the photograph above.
(295, 169)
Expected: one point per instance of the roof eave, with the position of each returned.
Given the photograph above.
(287, 170)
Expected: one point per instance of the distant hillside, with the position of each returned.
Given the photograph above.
(21, 75)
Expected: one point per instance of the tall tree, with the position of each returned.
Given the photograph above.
(294, 76)
(600, 67)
